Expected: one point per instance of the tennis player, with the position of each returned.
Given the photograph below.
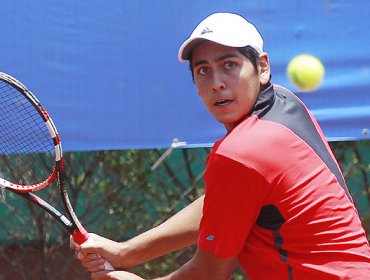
(275, 201)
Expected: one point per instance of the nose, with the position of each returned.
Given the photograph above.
(218, 83)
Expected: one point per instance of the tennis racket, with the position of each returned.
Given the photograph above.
(31, 154)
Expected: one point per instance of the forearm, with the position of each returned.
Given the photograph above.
(204, 265)
(178, 232)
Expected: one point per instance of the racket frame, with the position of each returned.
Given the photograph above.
(72, 223)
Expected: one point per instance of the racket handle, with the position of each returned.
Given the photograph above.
(107, 265)
(82, 236)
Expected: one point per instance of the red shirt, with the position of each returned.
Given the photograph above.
(276, 198)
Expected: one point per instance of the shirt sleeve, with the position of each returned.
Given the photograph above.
(234, 196)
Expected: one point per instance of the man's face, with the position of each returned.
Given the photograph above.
(226, 81)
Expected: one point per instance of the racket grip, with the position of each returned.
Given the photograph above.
(82, 236)
(107, 265)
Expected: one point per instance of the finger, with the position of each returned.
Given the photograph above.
(87, 257)
(96, 266)
(93, 264)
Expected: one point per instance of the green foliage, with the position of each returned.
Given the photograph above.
(354, 159)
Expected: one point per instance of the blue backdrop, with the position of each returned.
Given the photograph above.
(107, 71)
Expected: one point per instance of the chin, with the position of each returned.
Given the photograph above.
(231, 123)
(228, 125)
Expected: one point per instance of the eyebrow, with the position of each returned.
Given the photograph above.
(226, 56)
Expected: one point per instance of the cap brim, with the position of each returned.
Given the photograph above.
(187, 47)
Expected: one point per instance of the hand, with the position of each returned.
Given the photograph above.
(92, 262)
(96, 252)
(114, 275)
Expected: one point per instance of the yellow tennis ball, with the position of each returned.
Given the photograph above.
(306, 72)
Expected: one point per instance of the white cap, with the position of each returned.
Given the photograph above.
(226, 29)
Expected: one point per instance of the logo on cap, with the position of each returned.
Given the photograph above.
(205, 31)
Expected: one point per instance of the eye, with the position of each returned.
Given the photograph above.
(203, 70)
(229, 64)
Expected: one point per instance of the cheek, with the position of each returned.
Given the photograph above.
(250, 81)
(201, 89)
(249, 93)
(205, 99)
(202, 95)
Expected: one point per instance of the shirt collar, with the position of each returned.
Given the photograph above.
(264, 101)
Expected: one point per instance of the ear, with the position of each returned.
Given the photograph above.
(264, 69)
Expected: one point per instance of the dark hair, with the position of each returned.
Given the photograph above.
(247, 51)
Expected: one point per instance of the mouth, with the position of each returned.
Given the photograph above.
(223, 102)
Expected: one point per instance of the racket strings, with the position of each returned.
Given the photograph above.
(26, 147)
